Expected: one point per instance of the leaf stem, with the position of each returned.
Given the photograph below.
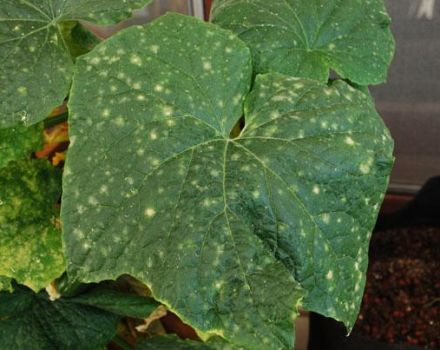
(56, 120)
(122, 343)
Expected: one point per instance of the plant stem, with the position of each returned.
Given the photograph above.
(122, 343)
(56, 120)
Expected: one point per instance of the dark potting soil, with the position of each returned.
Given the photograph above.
(401, 304)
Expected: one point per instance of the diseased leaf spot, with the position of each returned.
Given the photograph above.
(106, 113)
(329, 275)
(30, 243)
(136, 60)
(349, 141)
(154, 49)
(150, 212)
(22, 90)
(273, 205)
(158, 88)
(207, 65)
(168, 112)
(308, 39)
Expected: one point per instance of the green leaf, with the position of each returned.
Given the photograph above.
(100, 11)
(36, 66)
(31, 321)
(171, 342)
(30, 243)
(341, 153)
(19, 142)
(221, 229)
(307, 38)
(78, 39)
(122, 304)
(5, 284)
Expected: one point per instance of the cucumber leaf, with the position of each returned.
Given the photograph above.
(36, 66)
(122, 304)
(79, 40)
(30, 242)
(30, 320)
(5, 284)
(307, 38)
(99, 11)
(171, 342)
(19, 142)
(221, 229)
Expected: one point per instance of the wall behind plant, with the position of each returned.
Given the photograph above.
(410, 101)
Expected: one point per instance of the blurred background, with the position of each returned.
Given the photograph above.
(410, 101)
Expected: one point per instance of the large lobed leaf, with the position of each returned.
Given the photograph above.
(36, 67)
(19, 142)
(222, 230)
(30, 320)
(306, 38)
(30, 242)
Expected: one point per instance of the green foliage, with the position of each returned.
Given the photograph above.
(306, 38)
(36, 66)
(217, 166)
(30, 242)
(19, 142)
(5, 284)
(171, 343)
(30, 320)
(78, 39)
(175, 196)
(232, 224)
(118, 303)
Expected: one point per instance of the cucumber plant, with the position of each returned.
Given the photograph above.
(216, 165)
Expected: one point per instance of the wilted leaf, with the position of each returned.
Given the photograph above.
(19, 142)
(30, 242)
(306, 38)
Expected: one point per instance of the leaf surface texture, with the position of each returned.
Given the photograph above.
(232, 234)
(306, 38)
(30, 242)
(35, 64)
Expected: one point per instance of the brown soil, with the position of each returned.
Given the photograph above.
(402, 297)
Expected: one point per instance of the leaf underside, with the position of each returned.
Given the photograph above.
(31, 321)
(118, 303)
(222, 230)
(19, 142)
(36, 67)
(307, 38)
(171, 342)
(30, 243)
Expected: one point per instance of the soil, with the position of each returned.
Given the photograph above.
(402, 297)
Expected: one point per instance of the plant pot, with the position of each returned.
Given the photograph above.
(402, 240)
